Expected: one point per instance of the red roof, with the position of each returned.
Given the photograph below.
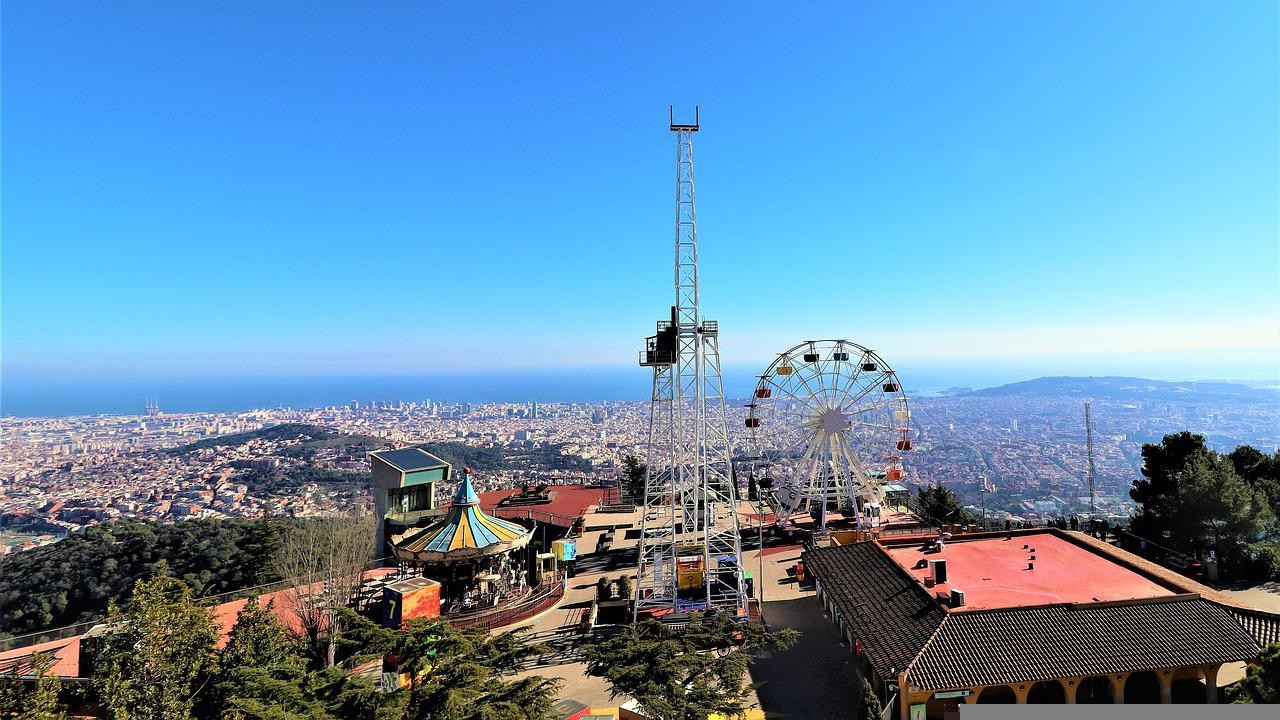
(65, 654)
(568, 502)
(993, 573)
(284, 606)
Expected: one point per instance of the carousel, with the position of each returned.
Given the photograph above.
(480, 561)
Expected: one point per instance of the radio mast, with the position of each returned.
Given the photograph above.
(690, 550)
(1088, 444)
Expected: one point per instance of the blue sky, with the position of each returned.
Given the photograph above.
(217, 189)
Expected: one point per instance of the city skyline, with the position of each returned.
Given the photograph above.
(265, 193)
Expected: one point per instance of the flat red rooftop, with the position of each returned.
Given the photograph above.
(568, 502)
(993, 572)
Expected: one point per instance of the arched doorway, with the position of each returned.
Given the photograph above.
(1094, 690)
(997, 695)
(1142, 688)
(1048, 692)
(1189, 691)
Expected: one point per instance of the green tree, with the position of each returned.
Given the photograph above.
(684, 674)
(1216, 509)
(1261, 471)
(73, 579)
(633, 474)
(38, 702)
(938, 505)
(459, 673)
(604, 589)
(1156, 492)
(869, 708)
(624, 587)
(257, 644)
(1194, 500)
(1261, 683)
(158, 653)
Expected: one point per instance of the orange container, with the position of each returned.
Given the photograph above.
(409, 599)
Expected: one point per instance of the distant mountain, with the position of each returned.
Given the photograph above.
(1130, 388)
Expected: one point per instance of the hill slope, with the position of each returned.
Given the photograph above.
(1130, 388)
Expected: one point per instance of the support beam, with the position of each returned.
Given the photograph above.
(1211, 684)
(1117, 687)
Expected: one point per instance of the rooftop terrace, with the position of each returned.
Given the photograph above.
(993, 571)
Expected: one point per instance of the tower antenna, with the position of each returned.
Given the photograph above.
(690, 550)
(1088, 444)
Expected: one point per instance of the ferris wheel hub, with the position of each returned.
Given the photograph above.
(833, 421)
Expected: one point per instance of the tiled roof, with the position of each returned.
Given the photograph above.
(888, 611)
(1263, 626)
(1043, 643)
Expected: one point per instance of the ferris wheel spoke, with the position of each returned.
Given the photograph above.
(864, 391)
(808, 388)
(855, 465)
(872, 405)
(854, 380)
(790, 443)
(786, 389)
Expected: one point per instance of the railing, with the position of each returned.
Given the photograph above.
(525, 512)
(540, 600)
(657, 357)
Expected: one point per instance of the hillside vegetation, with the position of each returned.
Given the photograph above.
(72, 580)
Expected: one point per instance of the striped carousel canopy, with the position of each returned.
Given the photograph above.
(463, 533)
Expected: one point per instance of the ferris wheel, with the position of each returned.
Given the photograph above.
(829, 423)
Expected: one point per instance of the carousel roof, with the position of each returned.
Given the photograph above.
(463, 533)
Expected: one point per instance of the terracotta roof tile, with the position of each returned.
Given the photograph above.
(1043, 643)
(888, 611)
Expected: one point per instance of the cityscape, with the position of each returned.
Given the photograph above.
(374, 361)
(58, 475)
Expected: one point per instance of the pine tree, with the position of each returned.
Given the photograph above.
(633, 472)
(257, 650)
(158, 653)
(459, 673)
(43, 703)
(686, 674)
(870, 708)
(1261, 684)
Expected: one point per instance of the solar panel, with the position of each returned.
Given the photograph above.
(411, 459)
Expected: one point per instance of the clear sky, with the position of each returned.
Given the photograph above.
(328, 188)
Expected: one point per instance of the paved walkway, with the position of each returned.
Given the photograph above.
(1264, 597)
(817, 678)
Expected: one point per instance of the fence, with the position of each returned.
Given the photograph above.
(542, 599)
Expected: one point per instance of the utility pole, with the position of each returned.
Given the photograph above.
(1088, 444)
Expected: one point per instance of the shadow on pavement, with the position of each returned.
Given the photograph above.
(817, 678)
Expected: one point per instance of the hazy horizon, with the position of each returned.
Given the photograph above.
(54, 396)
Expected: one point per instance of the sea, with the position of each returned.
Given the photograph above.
(24, 394)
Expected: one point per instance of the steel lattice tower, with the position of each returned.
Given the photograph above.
(690, 515)
(1088, 443)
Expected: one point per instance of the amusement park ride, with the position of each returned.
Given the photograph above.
(828, 424)
(690, 550)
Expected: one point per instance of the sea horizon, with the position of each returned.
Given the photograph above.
(25, 395)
